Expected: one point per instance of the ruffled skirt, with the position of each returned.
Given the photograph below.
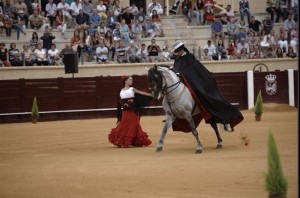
(129, 132)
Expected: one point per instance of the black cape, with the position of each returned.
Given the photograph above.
(214, 107)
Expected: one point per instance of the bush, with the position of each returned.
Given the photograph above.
(276, 183)
(258, 104)
(35, 109)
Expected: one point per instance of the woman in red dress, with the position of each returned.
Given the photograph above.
(129, 131)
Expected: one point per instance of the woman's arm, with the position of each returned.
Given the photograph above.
(142, 92)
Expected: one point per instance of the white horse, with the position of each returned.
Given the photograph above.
(177, 102)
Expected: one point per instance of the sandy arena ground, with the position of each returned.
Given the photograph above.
(65, 159)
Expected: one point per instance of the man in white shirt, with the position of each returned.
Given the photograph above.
(155, 6)
(101, 9)
(242, 45)
(75, 7)
(210, 47)
(51, 11)
(101, 53)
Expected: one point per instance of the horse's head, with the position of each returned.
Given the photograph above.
(157, 79)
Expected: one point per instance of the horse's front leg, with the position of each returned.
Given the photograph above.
(214, 126)
(169, 120)
(195, 133)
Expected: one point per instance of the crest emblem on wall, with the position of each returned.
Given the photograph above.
(271, 84)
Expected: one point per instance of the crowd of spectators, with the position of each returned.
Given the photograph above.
(106, 32)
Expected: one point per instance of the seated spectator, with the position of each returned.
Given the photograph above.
(121, 53)
(149, 28)
(95, 19)
(75, 7)
(231, 49)
(166, 55)
(77, 43)
(41, 55)
(111, 20)
(254, 25)
(282, 39)
(153, 50)
(154, 5)
(136, 32)
(87, 7)
(141, 17)
(197, 11)
(253, 39)
(124, 29)
(256, 53)
(82, 20)
(143, 53)
(283, 5)
(232, 30)
(272, 7)
(206, 56)
(132, 51)
(220, 47)
(117, 32)
(242, 25)
(45, 21)
(243, 54)
(117, 9)
(156, 21)
(217, 30)
(22, 10)
(65, 8)
(5, 23)
(211, 48)
(227, 15)
(60, 23)
(110, 44)
(208, 4)
(101, 10)
(241, 45)
(27, 55)
(279, 53)
(133, 9)
(244, 9)
(295, 9)
(269, 53)
(128, 17)
(36, 20)
(51, 9)
(34, 41)
(289, 24)
(290, 53)
(47, 39)
(53, 56)
(294, 39)
(102, 53)
(208, 16)
(267, 24)
(17, 24)
(88, 45)
(4, 56)
(14, 55)
(186, 6)
(241, 35)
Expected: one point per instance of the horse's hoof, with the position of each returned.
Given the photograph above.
(198, 151)
(159, 149)
(219, 146)
(228, 128)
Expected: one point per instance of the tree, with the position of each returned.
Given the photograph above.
(258, 109)
(276, 183)
(35, 109)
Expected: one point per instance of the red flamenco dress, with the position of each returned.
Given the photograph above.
(129, 131)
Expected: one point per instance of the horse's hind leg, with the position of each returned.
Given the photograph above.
(167, 125)
(214, 126)
(195, 133)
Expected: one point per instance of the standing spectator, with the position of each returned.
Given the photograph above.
(254, 25)
(36, 20)
(244, 9)
(65, 8)
(4, 56)
(154, 5)
(51, 11)
(217, 30)
(132, 51)
(102, 53)
(87, 7)
(27, 55)
(53, 56)
(211, 48)
(14, 55)
(47, 39)
(143, 54)
(153, 50)
(187, 9)
(267, 24)
(272, 7)
(60, 23)
(22, 10)
(197, 11)
(41, 55)
(121, 53)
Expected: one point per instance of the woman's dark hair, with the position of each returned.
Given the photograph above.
(124, 78)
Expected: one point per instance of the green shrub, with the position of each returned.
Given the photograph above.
(258, 104)
(35, 109)
(276, 184)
